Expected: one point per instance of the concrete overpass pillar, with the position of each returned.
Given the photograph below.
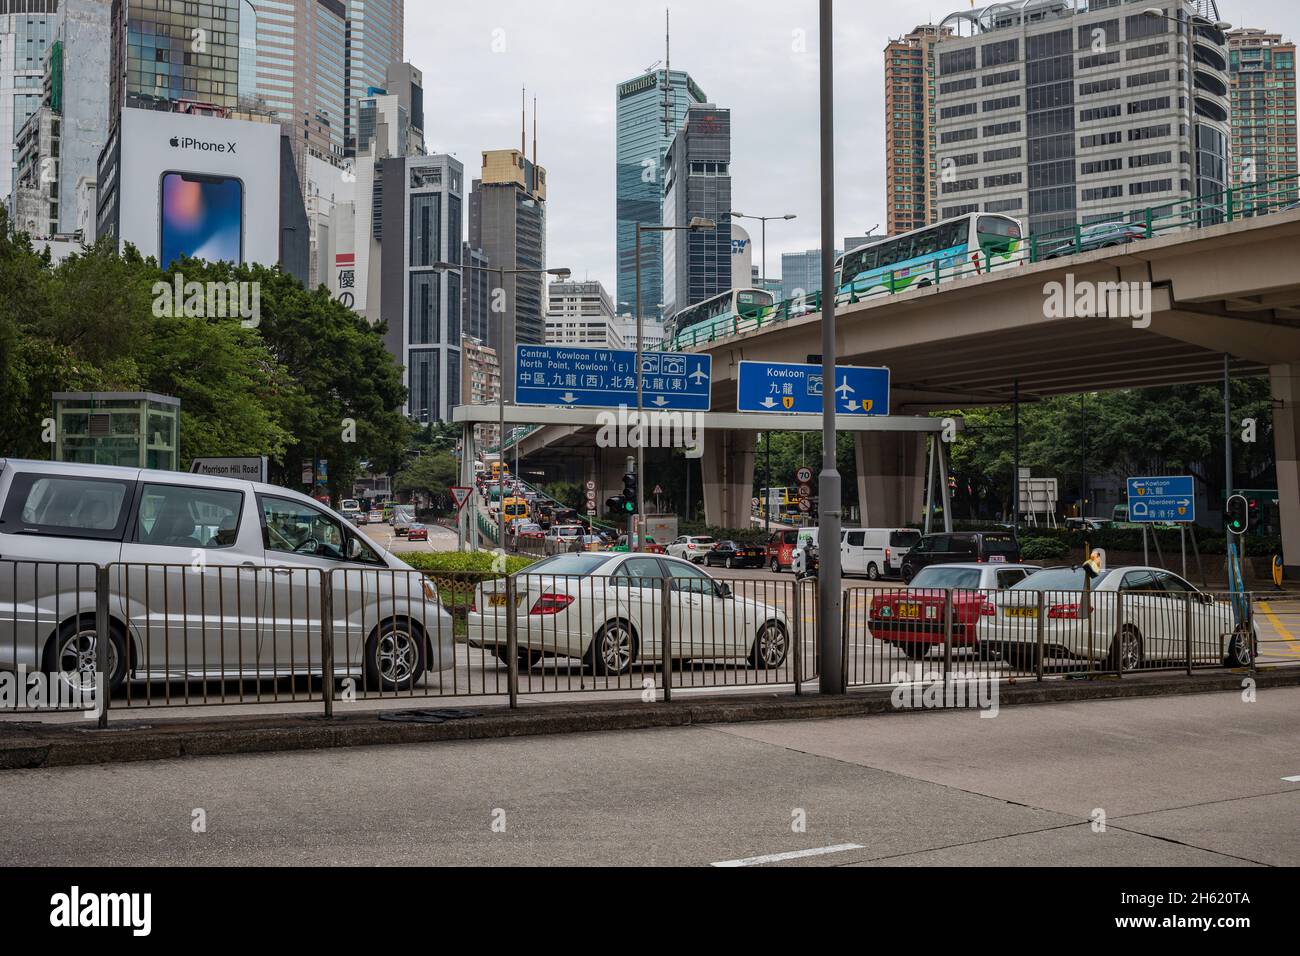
(891, 477)
(728, 470)
(1284, 382)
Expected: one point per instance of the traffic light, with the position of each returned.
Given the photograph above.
(1236, 516)
(629, 493)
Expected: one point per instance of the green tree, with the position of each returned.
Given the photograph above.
(431, 474)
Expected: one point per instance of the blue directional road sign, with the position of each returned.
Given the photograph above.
(794, 387)
(1162, 499)
(606, 378)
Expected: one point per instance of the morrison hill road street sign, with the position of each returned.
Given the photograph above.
(1170, 499)
(796, 387)
(606, 378)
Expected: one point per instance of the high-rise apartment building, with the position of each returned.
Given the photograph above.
(801, 273)
(26, 33)
(174, 56)
(374, 42)
(423, 201)
(1262, 66)
(1061, 113)
(476, 312)
(581, 313)
(507, 221)
(650, 111)
(697, 183)
(480, 383)
(910, 183)
(57, 147)
(300, 57)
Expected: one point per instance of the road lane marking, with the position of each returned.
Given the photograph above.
(1295, 779)
(1281, 629)
(791, 855)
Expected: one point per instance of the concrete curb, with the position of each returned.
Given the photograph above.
(36, 745)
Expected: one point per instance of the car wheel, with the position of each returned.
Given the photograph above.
(770, 646)
(72, 656)
(527, 658)
(775, 566)
(1125, 651)
(395, 655)
(613, 649)
(913, 650)
(728, 563)
(873, 572)
(907, 574)
(1241, 649)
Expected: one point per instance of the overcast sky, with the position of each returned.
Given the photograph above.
(756, 57)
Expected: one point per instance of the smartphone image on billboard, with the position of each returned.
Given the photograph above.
(202, 217)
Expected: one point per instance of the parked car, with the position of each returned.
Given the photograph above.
(605, 609)
(417, 532)
(263, 550)
(996, 547)
(730, 554)
(692, 547)
(1156, 606)
(912, 619)
(876, 552)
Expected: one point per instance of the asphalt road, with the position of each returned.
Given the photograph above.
(1181, 781)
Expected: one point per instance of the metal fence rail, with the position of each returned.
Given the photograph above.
(200, 634)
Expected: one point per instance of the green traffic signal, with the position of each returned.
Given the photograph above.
(1237, 514)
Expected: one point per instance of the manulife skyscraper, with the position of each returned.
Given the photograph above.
(651, 110)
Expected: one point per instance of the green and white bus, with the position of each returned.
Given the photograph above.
(735, 310)
(965, 245)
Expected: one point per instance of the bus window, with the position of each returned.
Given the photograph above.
(926, 243)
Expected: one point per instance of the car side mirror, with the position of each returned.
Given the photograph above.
(724, 589)
(354, 549)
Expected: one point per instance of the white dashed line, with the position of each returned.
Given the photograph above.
(792, 855)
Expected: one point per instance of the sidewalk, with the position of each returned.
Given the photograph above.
(32, 744)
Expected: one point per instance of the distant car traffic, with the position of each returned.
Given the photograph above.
(730, 554)
(912, 619)
(876, 552)
(605, 609)
(692, 547)
(1098, 236)
(995, 547)
(1156, 605)
(375, 517)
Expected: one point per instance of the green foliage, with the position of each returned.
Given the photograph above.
(432, 474)
(1043, 549)
(567, 493)
(282, 387)
(469, 562)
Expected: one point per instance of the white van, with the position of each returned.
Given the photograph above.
(876, 552)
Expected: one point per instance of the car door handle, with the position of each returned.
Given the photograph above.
(282, 570)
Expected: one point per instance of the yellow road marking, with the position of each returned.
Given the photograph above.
(1281, 629)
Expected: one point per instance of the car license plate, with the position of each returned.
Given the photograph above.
(1020, 612)
(912, 611)
(997, 558)
(497, 600)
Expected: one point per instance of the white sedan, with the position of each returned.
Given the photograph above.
(692, 547)
(607, 610)
(1159, 612)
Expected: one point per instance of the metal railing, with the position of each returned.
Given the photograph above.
(164, 635)
(1241, 202)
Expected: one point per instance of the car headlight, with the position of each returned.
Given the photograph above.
(430, 591)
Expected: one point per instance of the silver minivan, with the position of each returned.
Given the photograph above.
(208, 578)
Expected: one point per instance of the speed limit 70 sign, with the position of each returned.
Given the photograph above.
(804, 475)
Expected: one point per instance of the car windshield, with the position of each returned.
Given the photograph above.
(904, 539)
(1057, 579)
(703, 540)
(938, 576)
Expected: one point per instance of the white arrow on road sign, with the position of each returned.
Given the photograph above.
(660, 401)
(768, 403)
(568, 397)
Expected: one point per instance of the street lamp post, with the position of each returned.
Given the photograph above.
(767, 438)
(501, 274)
(697, 224)
(829, 639)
